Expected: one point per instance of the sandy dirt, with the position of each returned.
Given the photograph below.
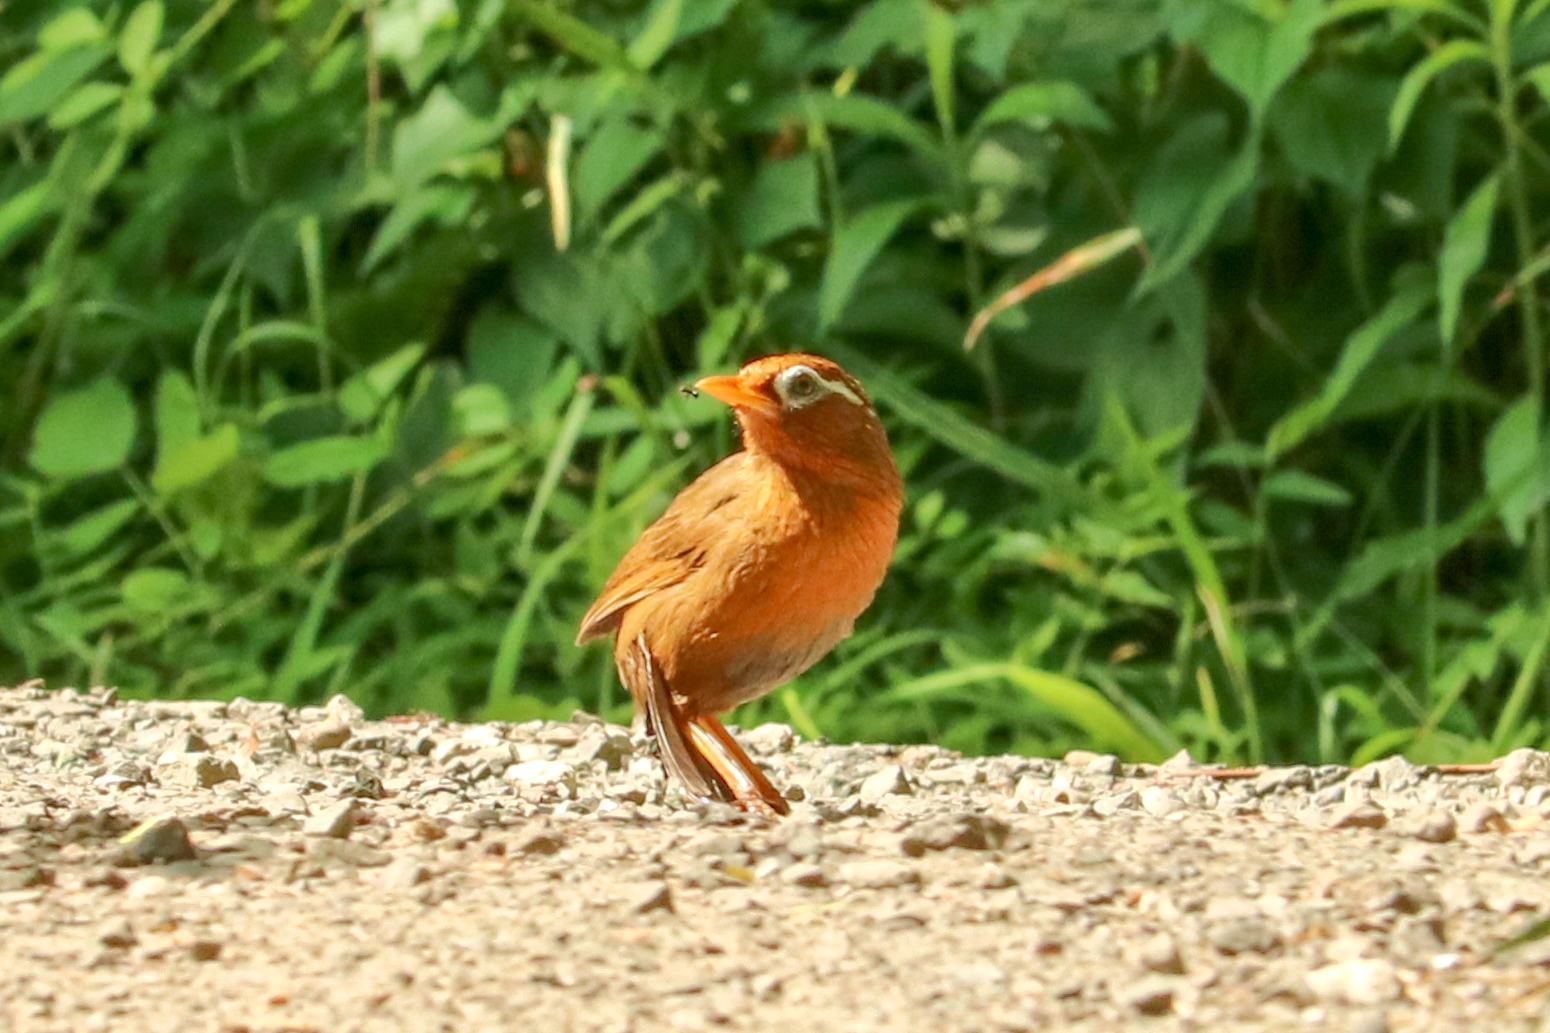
(193, 866)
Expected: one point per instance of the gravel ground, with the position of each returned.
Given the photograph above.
(242, 866)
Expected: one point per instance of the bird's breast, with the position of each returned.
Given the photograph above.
(768, 604)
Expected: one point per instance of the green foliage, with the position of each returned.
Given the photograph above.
(303, 397)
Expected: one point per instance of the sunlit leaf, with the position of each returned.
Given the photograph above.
(138, 38)
(1517, 466)
(195, 461)
(322, 460)
(86, 431)
(362, 395)
(1464, 245)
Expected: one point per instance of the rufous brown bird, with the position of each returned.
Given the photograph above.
(756, 569)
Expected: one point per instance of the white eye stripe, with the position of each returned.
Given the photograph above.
(787, 386)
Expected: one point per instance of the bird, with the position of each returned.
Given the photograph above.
(755, 570)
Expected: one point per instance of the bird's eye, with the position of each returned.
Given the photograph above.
(799, 386)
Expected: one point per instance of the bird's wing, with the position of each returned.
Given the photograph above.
(671, 549)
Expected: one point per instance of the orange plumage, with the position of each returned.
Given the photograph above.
(757, 568)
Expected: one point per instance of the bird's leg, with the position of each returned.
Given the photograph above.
(733, 768)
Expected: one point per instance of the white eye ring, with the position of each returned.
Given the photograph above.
(801, 386)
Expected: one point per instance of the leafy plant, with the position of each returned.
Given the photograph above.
(340, 343)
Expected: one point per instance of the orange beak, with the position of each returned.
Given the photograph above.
(732, 391)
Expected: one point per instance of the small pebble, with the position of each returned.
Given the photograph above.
(335, 821)
(1160, 953)
(326, 735)
(117, 933)
(1161, 801)
(158, 841)
(887, 781)
(197, 770)
(876, 875)
(1433, 826)
(1523, 767)
(1151, 995)
(649, 896)
(964, 831)
(1481, 817)
(1358, 981)
(1358, 815)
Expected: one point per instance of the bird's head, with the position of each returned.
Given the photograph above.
(806, 412)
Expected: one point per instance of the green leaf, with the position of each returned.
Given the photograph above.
(515, 354)
(717, 337)
(90, 531)
(1517, 467)
(85, 432)
(1411, 296)
(323, 459)
(416, 36)
(650, 199)
(22, 211)
(1423, 72)
(137, 41)
(1329, 124)
(1081, 704)
(447, 203)
(1464, 245)
(1238, 455)
(896, 24)
(177, 413)
(783, 199)
(1383, 558)
(957, 432)
(567, 293)
(195, 461)
(88, 99)
(855, 245)
(1191, 222)
(361, 397)
(73, 27)
(155, 589)
(1453, 12)
(1539, 78)
(36, 84)
(575, 35)
(441, 130)
(1252, 48)
(614, 154)
(481, 409)
(660, 33)
(1045, 102)
(1131, 587)
(1299, 486)
(941, 34)
(862, 114)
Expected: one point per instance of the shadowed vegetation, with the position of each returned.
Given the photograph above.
(303, 396)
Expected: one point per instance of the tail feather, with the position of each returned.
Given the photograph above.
(679, 757)
(699, 752)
